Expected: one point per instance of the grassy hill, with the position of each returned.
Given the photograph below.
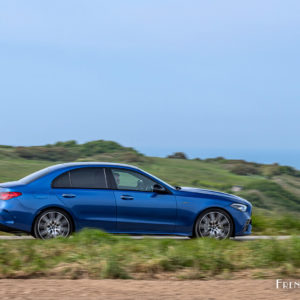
(274, 190)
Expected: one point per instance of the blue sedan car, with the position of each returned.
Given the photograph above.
(116, 198)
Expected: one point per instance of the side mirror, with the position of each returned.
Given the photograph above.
(157, 188)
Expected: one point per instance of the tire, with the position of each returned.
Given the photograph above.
(52, 223)
(214, 223)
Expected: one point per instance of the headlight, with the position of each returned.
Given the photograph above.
(239, 206)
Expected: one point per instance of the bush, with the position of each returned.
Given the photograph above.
(197, 159)
(131, 157)
(100, 146)
(289, 171)
(70, 150)
(44, 153)
(275, 192)
(275, 170)
(271, 170)
(66, 144)
(219, 159)
(178, 155)
(245, 169)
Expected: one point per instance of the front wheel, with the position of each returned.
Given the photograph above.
(214, 223)
(52, 223)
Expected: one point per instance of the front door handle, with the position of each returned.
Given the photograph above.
(68, 195)
(126, 197)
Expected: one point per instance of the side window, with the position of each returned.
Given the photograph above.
(88, 178)
(62, 181)
(133, 181)
(82, 178)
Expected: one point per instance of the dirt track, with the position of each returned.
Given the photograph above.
(143, 289)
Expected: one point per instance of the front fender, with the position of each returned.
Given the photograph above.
(189, 208)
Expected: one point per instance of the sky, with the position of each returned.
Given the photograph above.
(208, 78)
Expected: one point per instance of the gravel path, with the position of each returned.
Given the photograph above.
(143, 289)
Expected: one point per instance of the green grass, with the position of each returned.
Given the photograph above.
(276, 199)
(14, 169)
(174, 171)
(284, 224)
(94, 254)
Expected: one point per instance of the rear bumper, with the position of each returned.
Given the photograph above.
(14, 217)
(8, 229)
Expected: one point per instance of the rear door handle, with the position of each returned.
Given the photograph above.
(68, 195)
(126, 197)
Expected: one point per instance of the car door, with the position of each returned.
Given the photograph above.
(139, 209)
(84, 191)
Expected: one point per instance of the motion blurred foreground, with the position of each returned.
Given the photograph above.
(94, 254)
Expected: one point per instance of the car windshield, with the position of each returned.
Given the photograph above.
(36, 175)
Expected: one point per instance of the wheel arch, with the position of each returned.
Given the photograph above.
(53, 207)
(214, 207)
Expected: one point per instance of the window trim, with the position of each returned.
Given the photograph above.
(113, 185)
(80, 188)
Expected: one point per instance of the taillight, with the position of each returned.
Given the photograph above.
(9, 195)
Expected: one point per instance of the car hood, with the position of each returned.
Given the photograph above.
(220, 195)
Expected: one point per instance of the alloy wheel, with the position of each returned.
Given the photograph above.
(214, 224)
(53, 224)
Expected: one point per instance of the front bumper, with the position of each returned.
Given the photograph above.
(242, 221)
(247, 227)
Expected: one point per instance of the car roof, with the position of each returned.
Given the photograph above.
(34, 176)
(108, 164)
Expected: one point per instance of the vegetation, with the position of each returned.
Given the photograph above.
(178, 155)
(69, 151)
(93, 254)
(271, 224)
(274, 190)
(244, 169)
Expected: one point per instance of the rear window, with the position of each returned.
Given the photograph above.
(82, 178)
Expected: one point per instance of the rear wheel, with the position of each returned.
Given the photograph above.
(214, 223)
(52, 223)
